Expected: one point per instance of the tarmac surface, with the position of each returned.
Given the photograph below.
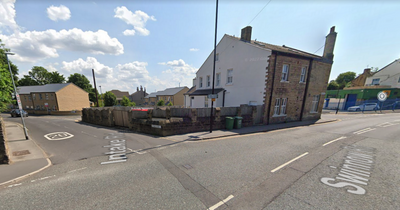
(27, 157)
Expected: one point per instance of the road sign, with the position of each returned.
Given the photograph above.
(46, 104)
(382, 96)
(213, 99)
(19, 102)
(212, 96)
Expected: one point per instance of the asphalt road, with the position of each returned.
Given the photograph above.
(283, 169)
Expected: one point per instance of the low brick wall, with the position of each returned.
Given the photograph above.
(169, 121)
(3, 145)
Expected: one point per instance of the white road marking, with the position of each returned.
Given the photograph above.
(79, 169)
(221, 203)
(58, 136)
(113, 161)
(343, 137)
(387, 124)
(397, 120)
(14, 185)
(287, 163)
(139, 152)
(364, 131)
(130, 149)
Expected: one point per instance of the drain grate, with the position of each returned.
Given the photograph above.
(187, 166)
(20, 153)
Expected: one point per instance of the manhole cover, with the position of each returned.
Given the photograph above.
(20, 153)
(187, 166)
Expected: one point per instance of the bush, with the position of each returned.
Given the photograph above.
(161, 103)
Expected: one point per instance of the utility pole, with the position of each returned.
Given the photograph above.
(215, 56)
(95, 87)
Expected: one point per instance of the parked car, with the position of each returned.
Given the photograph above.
(17, 113)
(364, 107)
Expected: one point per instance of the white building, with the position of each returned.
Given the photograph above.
(240, 71)
(387, 76)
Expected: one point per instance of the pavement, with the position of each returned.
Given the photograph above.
(27, 158)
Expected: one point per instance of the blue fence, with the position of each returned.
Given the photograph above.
(362, 105)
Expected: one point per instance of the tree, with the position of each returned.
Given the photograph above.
(6, 86)
(125, 101)
(161, 103)
(344, 78)
(38, 75)
(333, 85)
(170, 104)
(81, 81)
(109, 99)
(27, 81)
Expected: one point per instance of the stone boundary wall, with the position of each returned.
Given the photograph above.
(167, 121)
(3, 145)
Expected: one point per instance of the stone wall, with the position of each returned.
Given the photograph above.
(3, 145)
(170, 121)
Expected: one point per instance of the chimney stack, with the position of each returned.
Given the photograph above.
(367, 71)
(330, 44)
(246, 34)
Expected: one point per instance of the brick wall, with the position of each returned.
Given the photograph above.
(72, 97)
(176, 121)
(3, 146)
(293, 89)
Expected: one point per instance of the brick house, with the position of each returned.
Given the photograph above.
(53, 98)
(170, 95)
(138, 96)
(290, 83)
(120, 94)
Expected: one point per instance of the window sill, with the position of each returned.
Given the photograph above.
(282, 115)
(302, 82)
(284, 81)
(229, 84)
(313, 112)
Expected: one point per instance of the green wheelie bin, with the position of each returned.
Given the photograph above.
(238, 122)
(229, 121)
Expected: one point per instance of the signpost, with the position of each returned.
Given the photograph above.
(382, 96)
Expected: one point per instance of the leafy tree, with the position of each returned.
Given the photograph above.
(56, 77)
(170, 104)
(27, 81)
(6, 86)
(110, 99)
(344, 78)
(333, 85)
(161, 103)
(125, 101)
(3, 60)
(40, 76)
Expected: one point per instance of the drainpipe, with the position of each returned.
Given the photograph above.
(223, 98)
(306, 89)
(272, 88)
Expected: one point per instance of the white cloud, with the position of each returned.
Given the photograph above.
(85, 67)
(7, 17)
(128, 32)
(58, 13)
(193, 50)
(33, 45)
(137, 20)
(180, 72)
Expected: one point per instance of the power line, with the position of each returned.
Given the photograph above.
(259, 12)
(318, 49)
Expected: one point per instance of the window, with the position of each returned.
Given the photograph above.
(205, 101)
(201, 82)
(280, 107)
(399, 80)
(25, 98)
(285, 72)
(375, 81)
(283, 106)
(218, 79)
(315, 102)
(37, 107)
(29, 98)
(303, 74)
(47, 96)
(208, 81)
(40, 96)
(34, 96)
(277, 105)
(217, 57)
(229, 79)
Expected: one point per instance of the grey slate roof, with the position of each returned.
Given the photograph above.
(49, 88)
(151, 95)
(170, 91)
(204, 92)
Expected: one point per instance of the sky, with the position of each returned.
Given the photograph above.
(161, 44)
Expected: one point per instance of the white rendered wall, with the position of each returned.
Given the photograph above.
(387, 76)
(249, 64)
